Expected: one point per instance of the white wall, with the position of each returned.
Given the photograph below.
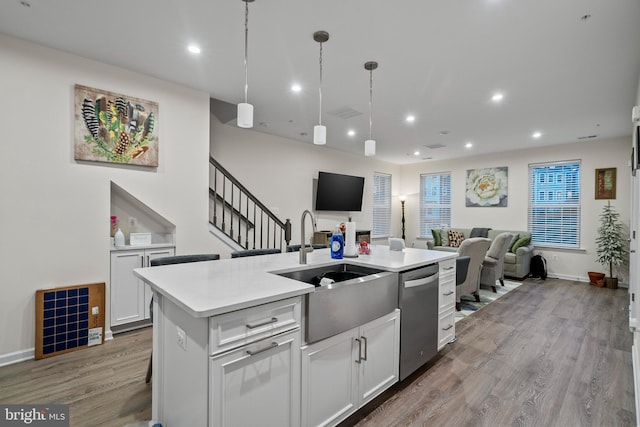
(280, 172)
(55, 211)
(593, 155)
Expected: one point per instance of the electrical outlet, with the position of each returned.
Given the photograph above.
(182, 338)
(133, 222)
(95, 310)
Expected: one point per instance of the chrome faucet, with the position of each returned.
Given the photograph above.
(303, 248)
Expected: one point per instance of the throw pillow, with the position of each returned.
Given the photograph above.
(514, 239)
(437, 238)
(479, 232)
(455, 238)
(522, 241)
(444, 237)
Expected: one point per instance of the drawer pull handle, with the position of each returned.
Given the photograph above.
(447, 328)
(449, 268)
(253, 353)
(266, 322)
(364, 340)
(448, 293)
(359, 359)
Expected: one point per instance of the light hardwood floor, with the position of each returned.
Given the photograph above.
(550, 353)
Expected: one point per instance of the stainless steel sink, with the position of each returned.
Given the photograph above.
(357, 295)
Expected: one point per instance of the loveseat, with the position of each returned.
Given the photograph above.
(517, 260)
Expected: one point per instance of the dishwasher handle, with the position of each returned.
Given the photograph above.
(428, 280)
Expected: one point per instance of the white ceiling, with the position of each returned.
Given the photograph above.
(440, 60)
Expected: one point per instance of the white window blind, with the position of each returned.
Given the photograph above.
(381, 205)
(435, 202)
(554, 204)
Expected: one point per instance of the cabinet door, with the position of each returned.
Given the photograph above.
(330, 380)
(127, 291)
(379, 351)
(258, 384)
(150, 254)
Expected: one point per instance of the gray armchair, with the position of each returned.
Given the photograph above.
(493, 264)
(476, 249)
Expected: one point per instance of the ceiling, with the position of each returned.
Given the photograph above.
(568, 69)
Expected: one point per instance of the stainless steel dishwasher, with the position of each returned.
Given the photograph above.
(418, 301)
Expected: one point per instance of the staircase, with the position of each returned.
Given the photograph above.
(239, 218)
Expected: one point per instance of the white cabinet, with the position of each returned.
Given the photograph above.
(258, 384)
(344, 372)
(130, 296)
(446, 302)
(240, 368)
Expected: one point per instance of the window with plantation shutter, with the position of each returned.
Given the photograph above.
(554, 204)
(435, 202)
(381, 205)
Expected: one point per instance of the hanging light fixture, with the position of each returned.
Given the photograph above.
(245, 110)
(320, 131)
(370, 144)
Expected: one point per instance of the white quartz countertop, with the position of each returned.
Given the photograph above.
(210, 288)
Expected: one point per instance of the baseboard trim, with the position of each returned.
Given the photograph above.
(17, 356)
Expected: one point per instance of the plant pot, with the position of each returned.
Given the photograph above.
(600, 283)
(611, 282)
(594, 277)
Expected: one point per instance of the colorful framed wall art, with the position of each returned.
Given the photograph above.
(487, 187)
(115, 128)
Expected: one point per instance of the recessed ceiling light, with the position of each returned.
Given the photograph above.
(468, 145)
(351, 132)
(410, 118)
(444, 132)
(416, 153)
(194, 49)
(497, 97)
(296, 88)
(536, 134)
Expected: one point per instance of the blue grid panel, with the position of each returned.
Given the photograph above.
(66, 320)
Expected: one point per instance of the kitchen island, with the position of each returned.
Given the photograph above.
(227, 335)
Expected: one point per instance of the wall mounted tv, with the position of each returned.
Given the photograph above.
(336, 192)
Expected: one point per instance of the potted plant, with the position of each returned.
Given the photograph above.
(611, 245)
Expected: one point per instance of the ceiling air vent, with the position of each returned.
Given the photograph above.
(434, 146)
(587, 137)
(344, 112)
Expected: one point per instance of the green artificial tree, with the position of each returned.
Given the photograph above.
(611, 244)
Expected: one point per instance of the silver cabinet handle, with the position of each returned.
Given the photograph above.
(449, 268)
(359, 359)
(448, 293)
(421, 282)
(253, 353)
(447, 328)
(257, 325)
(364, 340)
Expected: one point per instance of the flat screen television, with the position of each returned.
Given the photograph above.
(336, 192)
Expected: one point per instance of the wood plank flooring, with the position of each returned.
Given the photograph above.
(550, 353)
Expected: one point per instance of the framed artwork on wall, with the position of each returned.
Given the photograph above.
(606, 183)
(487, 187)
(115, 128)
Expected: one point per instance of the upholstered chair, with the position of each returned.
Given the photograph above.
(476, 249)
(493, 264)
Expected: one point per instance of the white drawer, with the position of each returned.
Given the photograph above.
(446, 327)
(447, 297)
(242, 327)
(447, 266)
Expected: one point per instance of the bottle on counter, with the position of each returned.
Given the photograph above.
(118, 239)
(337, 244)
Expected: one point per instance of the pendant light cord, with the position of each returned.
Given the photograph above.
(370, 100)
(246, 49)
(320, 89)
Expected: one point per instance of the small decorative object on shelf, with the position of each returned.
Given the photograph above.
(119, 239)
(114, 225)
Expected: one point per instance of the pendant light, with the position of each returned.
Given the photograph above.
(245, 110)
(320, 131)
(370, 144)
